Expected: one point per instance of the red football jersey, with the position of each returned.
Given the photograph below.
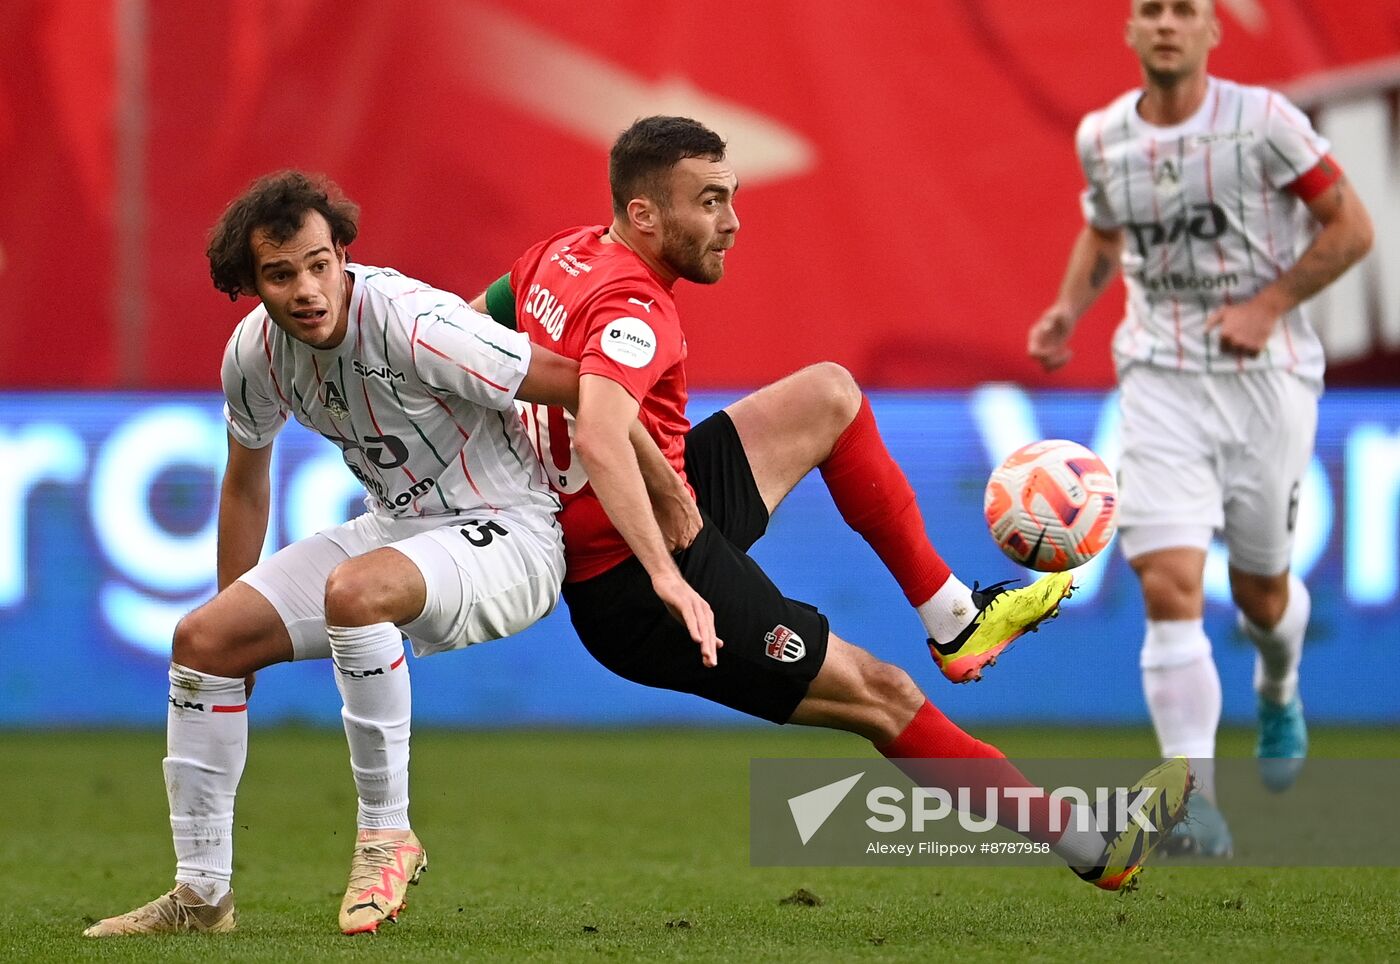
(597, 302)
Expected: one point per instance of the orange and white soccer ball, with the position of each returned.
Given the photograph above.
(1052, 505)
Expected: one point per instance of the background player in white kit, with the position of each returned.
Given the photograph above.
(1195, 186)
(460, 544)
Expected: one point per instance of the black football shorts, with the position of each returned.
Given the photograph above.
(773, 646)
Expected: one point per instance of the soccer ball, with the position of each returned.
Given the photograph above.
(1052, 505)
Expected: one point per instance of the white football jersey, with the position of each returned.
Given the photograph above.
(419, 396)
(1206, 222)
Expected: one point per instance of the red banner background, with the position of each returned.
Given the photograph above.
(909, 188)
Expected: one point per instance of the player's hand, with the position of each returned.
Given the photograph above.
(678, 518)
(1244, 329)
(694, 613)
(1048, 340)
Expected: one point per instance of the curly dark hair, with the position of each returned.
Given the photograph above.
(645, 153)
(277, 203)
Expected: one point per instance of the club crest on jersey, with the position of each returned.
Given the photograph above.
(1166, 181)
(335, 402)
(784, 645)
(1167, 172)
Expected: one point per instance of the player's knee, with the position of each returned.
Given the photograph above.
(1262, 599)
(834, 391)
(1264, 611)
(1170, 594)
(890, 689)
(199, 645)
(355, 596)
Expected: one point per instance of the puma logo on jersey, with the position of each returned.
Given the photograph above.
(646, 305)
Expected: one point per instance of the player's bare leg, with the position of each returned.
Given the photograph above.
(1182, 686)
(366, 598)
(819, 418)
(214, 649)
(1262, 599)
(856, 692)
(1274, 612)
(788, 428)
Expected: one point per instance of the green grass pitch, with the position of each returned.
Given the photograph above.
(618, 846)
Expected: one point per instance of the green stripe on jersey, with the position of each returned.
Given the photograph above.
(1284, 157)
(489, 343)
(243, 391)
(414, 424)
(345, 395)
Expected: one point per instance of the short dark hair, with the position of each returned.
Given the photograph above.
(645, 153)
(278, 203)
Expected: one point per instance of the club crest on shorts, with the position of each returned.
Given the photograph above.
(784, 645)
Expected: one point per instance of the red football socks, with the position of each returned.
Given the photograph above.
(934, 751)
(876, 500)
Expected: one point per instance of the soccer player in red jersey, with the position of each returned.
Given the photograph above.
(1200, 189)
(602, 295)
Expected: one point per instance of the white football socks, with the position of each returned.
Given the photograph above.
(372, 674)
(1183, 694)
(948, 611)
(1081, 845)
(206, 747)
(1280, 649)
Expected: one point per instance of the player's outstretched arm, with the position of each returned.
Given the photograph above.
(1093, 261)
(605, 415)
(1343, 239)
(551, 379)
(244, 501)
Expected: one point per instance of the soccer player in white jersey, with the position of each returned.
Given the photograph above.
(459, 545)
(1196, 188)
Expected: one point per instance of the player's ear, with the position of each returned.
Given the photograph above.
(644, 215)
(1216, 30)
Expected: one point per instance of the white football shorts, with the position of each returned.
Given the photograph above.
(1214, 453)
(489, 575)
